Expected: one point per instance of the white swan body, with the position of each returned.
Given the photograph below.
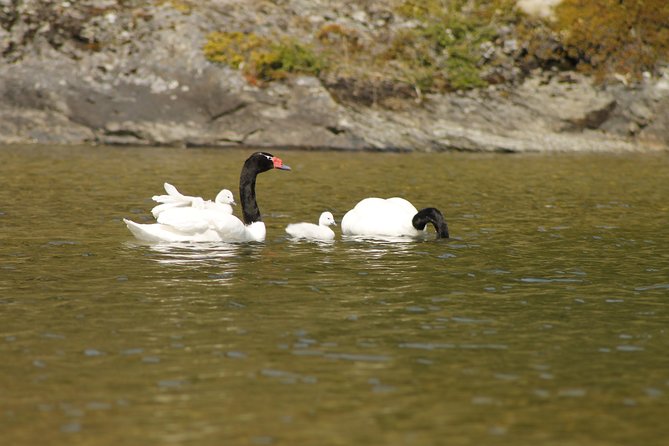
(232, 230)
(175, 199)
(392, 217)
(321, 231)
(378, 216)
(200, 224)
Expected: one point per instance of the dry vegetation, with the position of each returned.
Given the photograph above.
(611, 36)
(459, 45)
(423, 46)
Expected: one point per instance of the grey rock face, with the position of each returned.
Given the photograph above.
(92, 72)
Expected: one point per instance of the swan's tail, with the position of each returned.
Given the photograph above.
(138, 230)
(434, 216)
(154, 233)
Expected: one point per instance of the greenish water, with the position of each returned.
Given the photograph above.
(544, 320)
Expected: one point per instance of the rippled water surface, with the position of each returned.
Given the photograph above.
(543, 321)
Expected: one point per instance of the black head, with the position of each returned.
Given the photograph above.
(257, 163)
(263, 161)
(434, 216)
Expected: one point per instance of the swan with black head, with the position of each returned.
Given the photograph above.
(183, 225)
(392, 217)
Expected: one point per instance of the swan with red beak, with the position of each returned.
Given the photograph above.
(188, 225)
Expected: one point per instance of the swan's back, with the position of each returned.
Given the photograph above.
(219, 207)
(175, 199)
(190, 220)
(378, 216)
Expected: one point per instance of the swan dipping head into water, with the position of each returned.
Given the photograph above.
(392, 217)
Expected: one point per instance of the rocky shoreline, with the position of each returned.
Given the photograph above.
(150, 84)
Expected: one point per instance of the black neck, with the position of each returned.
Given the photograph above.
(434, 216)
(247, 194)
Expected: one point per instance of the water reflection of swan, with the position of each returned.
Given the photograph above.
(186, 254)
(391, 217)
(376, 251)
(186, 227)
(381, 240)
(220, 261)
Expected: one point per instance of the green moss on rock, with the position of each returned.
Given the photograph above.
(260, 58)
(447, 43)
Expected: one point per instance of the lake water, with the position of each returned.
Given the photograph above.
(544, 320)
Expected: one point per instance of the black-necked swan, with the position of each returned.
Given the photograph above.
(391, 217)
(321, 231)
(177, 226)
(174, 199)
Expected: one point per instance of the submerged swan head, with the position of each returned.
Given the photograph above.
(434, 216)
(326, 219)
(391, 217)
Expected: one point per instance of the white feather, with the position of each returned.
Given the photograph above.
(175, 199)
